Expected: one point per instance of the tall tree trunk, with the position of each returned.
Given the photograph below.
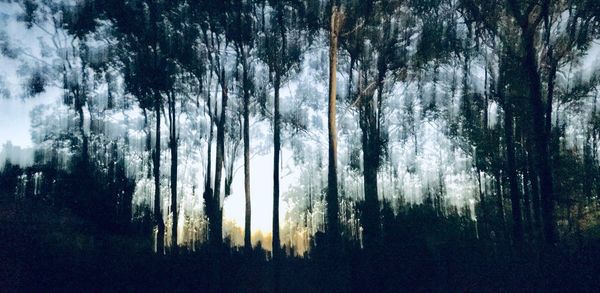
(208, 191)
(158, 218)
(486, 93)
(527, 203)
(216, 227)
(246, 135)
(482, 203)
(370, 165)
(80, 101)
(500, 203)
(173, 145)
(550, 96)
(515, 196)
(84, 138)
(541, 137)
(551, 61)
(535, 192)
(148, 143)
(526, 188)
(276, 150)
(332, 188)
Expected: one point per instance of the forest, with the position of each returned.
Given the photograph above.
(299, 145)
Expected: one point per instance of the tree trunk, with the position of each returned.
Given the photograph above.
(535, 192)
(370, 165)
(246, 135)
(148, 143)
(160, 238)
(276, 150)
(216, 227)
(84, 138)
(500, 204)
(527, 203)
(515, 196)
(550, 95)
(482, 204)
(173, 145)
(332, 188)
(208, 191)
(540, 135)
(527, 206)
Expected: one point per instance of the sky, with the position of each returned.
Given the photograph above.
(15, 107)
(14, 118)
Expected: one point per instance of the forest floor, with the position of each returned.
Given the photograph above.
(52, 252)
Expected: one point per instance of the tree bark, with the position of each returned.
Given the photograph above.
(370, 165)
(160, 238)
(84, 138)
(276, 150)
(515, 196)
(216, 228)
(541, 137)
(332, 188)
(173, 145)
(148, 143)
(482, 203)
(246, 135)
(500, 204)
(550, 95)
(208, 191)
(535, 192)
(528, 221)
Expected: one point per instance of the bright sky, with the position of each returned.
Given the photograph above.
(14, 121)
(261, 186)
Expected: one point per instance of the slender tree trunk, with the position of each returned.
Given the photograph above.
(515, 196)
(216, 225)
(370, 166)
(160, 238)
(276, 150)
(211, 136)
(482, 203)
(551, 61)
(80, 101)
(535, 192)
(173, 145)
(371, 213)
(500, 204)
(84, 138)
(485, 98)
(148, 143)
(332, 188)
(246, 135)
(527, 204)
(526, 190)
(550, 95)
(208, 191)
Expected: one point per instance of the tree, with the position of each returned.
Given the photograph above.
(214, 34)
(332, 188)
(281, 51)
(507, 95)
(380, 58)
(142, 32)
(242, 37)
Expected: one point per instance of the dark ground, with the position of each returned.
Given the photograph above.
(44, 250)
